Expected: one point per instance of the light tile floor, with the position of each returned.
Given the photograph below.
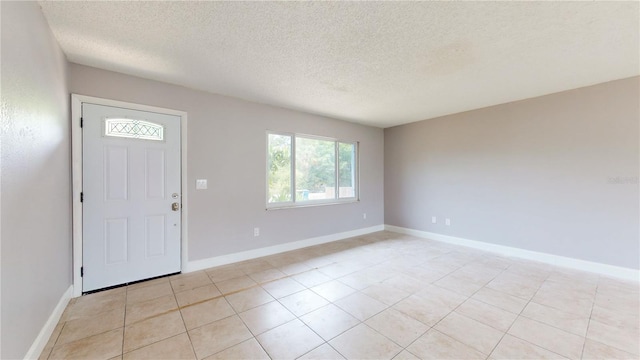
(379, 296)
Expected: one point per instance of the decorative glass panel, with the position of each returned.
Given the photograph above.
(136, 129)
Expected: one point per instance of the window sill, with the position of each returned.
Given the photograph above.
(311, 204)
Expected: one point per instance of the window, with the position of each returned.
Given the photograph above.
(306, 170)
(136, 129)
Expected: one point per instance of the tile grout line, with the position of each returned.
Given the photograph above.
(152, 317)
(310, 328)
(468, 297)
(432, 326)
(315, 332)
(56, 340)
(360, 322)
(65, 324)
(192, 304)
(562, 310)
(593, 304)
(299, 318)
(178, 309)
(520, 314)
(348, 261)
(124, 320)
(412, 294)
(193, 350)
(254, 336)
(333, 303)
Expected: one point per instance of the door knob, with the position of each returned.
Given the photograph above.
(175, 206)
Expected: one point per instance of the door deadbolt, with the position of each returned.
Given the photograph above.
(175, 206)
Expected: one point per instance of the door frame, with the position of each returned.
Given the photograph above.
(76, 172)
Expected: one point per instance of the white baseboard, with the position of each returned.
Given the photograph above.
(603, 269)
(276, 249)
(43, 337)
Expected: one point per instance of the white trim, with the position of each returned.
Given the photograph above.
(76, 205)
(76, 163)
(45, 333)
(276, 249)
(312, 203)
(584, 265)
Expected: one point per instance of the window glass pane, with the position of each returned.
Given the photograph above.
(315, 169)
(347, 170)
(135, 129)
(279, 168)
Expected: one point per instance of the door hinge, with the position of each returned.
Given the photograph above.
(81, 122)
(82, 271)
(81, 197)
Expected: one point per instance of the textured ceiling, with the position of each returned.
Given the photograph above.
(377, 63)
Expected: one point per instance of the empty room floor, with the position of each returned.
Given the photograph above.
(378, 296)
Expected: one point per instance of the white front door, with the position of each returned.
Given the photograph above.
(131, 195)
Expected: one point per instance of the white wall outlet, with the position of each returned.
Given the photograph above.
(364, 215)
(434, 220)
(256, 231)
(201, 184)
(447, 222)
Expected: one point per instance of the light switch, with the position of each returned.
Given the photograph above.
(201, 184)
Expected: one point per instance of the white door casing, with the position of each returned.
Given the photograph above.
(131, 230)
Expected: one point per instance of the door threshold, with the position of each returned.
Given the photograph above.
(128, 283)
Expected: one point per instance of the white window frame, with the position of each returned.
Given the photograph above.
(317, 202)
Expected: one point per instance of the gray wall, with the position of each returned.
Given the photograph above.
(227, 146)
(556, 174)
(36, 198)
